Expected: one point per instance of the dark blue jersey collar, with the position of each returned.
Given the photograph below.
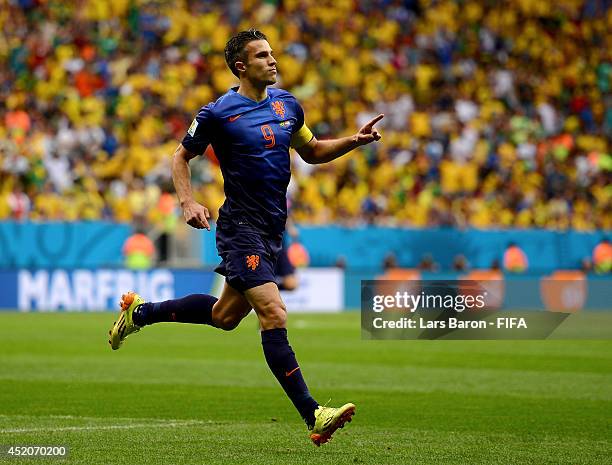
(251, 101)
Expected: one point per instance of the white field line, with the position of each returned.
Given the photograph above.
(101, 427)
(142, 423)
(86, 418)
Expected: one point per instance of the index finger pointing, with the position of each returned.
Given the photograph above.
(373, 121)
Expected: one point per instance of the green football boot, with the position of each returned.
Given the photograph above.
(328, 420)
(124, 326)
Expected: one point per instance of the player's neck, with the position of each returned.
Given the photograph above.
(248, 90)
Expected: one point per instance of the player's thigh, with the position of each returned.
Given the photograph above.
(232, 305)
(268, 305)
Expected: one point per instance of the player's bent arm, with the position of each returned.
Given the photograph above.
(195, 214)
(323, 151)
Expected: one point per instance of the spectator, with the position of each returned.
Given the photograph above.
(509, 127)
(427, 263)
(390, 262)
(602, 257)
(461, 264)
(139, 251)
(515, 260)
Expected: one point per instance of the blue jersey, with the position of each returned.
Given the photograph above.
(251, 140)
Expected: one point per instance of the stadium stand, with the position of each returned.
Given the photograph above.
(496, 117)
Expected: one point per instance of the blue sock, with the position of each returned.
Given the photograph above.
(282, 362)
(195, 308)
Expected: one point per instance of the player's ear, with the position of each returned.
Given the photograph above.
(240, 66)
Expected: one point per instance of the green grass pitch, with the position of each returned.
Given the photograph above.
(179, 394)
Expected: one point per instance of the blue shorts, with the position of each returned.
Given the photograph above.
(283, 265)
(248, 256)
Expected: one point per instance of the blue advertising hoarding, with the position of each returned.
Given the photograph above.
(86, 244)
(94, 290)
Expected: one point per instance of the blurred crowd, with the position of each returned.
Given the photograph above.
(498, 113)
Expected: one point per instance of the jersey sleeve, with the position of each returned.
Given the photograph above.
(198, 135)
(302, 134)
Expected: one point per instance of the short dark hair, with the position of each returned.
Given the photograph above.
(234, 49)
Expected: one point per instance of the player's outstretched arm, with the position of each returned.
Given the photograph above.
(323, 151)
(196, 215)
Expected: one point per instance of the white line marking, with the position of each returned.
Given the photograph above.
(86, 418)
(155, 424)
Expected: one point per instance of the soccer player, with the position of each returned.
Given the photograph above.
(251, 129)
(286, 279)
(284, 271)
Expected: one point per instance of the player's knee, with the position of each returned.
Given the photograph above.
(228, 323)
(274, 315)
(225, 320)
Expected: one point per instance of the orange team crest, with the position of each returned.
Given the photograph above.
(252, 262)
(279, 108)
